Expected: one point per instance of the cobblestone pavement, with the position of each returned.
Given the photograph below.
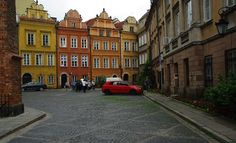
(95, 118)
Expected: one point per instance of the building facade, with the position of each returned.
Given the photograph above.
(73, 49)
(37, 46)
(194, 53)
(129, 49)
(10, 89)
(105, 44)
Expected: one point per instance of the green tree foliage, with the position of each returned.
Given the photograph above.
(224, 94)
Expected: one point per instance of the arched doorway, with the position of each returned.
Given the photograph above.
(63, 80)
(26, 78)
(114, 76)
(126, 77)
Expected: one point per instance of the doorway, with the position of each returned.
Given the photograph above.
(63, 80)
(26, 78)
(126, 77)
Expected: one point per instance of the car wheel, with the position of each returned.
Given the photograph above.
(41, 89)
(107, 92)
(132, 92)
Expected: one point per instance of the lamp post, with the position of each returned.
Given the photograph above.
(222, 24)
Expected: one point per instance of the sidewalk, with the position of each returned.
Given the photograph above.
(10, 125)
(216, 127)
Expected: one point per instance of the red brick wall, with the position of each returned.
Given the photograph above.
(9, 60)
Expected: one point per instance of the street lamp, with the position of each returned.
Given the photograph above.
(222, 24)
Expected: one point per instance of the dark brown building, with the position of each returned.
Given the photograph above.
(10, 81)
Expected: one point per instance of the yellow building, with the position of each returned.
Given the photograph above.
(129, 49)
(37, 46)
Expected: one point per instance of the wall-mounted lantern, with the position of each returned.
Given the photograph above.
(222, 24)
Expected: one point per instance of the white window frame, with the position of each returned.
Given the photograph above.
(127, 63)
(63, 60)
(74, 42)
(96, 63)
(50, 59)
(63, 41)
(84, 61)
(26, 59)
(45, 39)
(115, 63)
(114, 46)
(126, 46)
(189, 11)
(135, 63)
(50, 79)
(84, 43)
(74, 61)
(207, 10)
(38, 59)
(40, 79)
(106, 63)
(105, 45)
(30, 38)
(96, 45)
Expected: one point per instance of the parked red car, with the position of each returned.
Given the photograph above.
(120, 87)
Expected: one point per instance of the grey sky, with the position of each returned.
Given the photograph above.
(88, 9)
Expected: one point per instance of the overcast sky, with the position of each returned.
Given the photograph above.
(88, 9)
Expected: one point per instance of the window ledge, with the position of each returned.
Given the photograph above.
(206, 23)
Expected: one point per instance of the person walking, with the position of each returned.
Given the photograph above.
(84, 85)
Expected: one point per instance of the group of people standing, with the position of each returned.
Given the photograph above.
(83, 84)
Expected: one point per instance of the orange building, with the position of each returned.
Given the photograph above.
(73, 54)
(105, 46)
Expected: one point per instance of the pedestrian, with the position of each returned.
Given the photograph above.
(84, 85)
(93, 85)
(67, 85)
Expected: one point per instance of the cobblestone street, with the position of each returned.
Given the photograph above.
(92, 117)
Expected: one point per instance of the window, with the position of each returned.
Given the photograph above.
(207, 10)
(74, 78)
(45, 40)
(96, 63)
(30, 38)
(50, 79)
(41, 79)
(135, 63)
(105, 45)
(127, 63)
(231, 62)
(168, 26)
(189, 13)
(113, 46)
(50, 60)
(38, 59)
(63, 61)
(126, 46)
(63, 42)
(101, 32)
(134, 46)
(176, 24)
(74, 61)
(230, 2)
(73, 42)
(84, 61)
(106, 62)
(208, 71)
(114, 63)
(167, 2)
(26, 59)
(131, 29)
(108, 33)
(84, 43)
(96, 45)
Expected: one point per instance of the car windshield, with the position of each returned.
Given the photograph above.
(121, 83)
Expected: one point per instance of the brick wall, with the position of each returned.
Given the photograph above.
(9, 59)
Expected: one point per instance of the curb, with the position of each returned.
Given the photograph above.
(22, 126)
(208, 131)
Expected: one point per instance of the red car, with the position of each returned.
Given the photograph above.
(120, 87)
